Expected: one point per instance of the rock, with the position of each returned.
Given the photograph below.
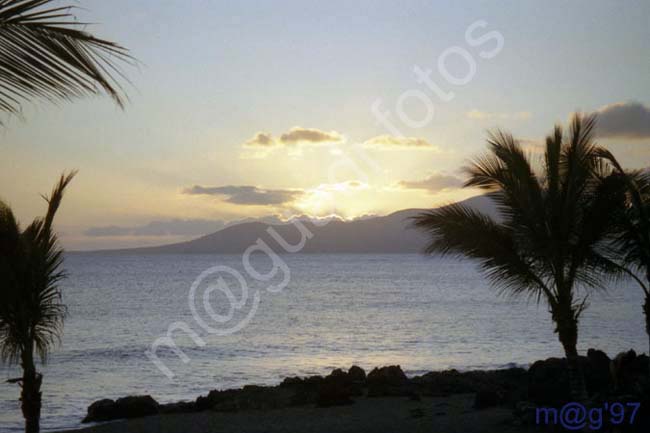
(548, 382)
(313, 380)
(549, 379)
(179, 407)
(391, 375)
(137, 406)
(510, 383)
(336, 389)
(127, 407)
(290, 382)
(388, 381)
(306, 391)
(206, 402)
(202, 403)
(443, 383)
(304, 395)
(226, 406)
(630, 372)
(262, 398)
(357, 374)
(334, 393)
(249, 397)
(486, 398)
(214, 398)
(598, 376)
(101, 410)
(348, 380)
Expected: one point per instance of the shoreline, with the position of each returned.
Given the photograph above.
(347, 401)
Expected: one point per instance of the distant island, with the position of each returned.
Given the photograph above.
(390, 234)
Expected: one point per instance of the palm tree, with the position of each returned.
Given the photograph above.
(633, 240)
(31, 310)
(45, 54)
(550, 241)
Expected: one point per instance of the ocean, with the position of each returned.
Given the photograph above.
(313, 313)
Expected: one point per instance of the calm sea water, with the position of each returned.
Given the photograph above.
(337, 310)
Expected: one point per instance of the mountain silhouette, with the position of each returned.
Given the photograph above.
(377, 235)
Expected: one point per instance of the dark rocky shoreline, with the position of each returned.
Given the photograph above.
(545, 383)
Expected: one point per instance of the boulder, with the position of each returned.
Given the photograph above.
(388, 381)
(357, 374)
(313, 380)
(290, 382)
(334, 393)
(511, 383)
(305, 391)
(630, 372)
(179, 407)
(304, 395)
(548, 382)
(101, 410)
(249, 397)
(347, 380)
(391, 375)
(137, 406)
(259, 398)
(597, 375)
(444, 383)
(337, 389)
(214, 398)
(127, 407)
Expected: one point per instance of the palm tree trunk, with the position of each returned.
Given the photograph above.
(576, 376)
(31, 394)
(567, 329)
(646, 310)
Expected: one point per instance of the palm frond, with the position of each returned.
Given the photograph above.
(55, 198)
(633, 241)
(10, 264)
(463, 232)
(31, 308)
(559, 221)
(45, 54)
(507, 173)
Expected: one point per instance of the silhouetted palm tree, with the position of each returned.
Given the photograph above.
(44, 54)
(551, 240)
(31, 310)
(633, 241)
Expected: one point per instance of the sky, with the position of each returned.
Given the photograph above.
(271, 109)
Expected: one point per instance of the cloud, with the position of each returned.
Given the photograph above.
(436, 182)
(484, 115)
(299, 135)
(342, 186)
(261, 139)
(294, 137)
(391, 142)
(174, 227)
(624, 120)
(247, 195)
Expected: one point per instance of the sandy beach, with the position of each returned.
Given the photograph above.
(366, 415)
